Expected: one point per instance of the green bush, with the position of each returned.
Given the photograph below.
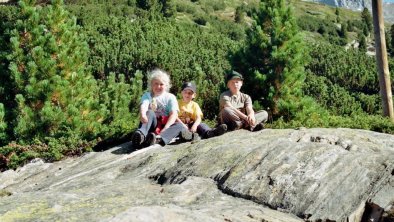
(184, 6)
(351, 69)
(215, 5)
(3, 125)
(121, 45)
(331, 96)
(375, 123)
(200, 19)
(122, 102)
(310, 23)
(239, 14)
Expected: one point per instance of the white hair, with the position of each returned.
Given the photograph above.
(162, 76)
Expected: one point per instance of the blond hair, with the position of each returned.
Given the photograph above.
(162, 76)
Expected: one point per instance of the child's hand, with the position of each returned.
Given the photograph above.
(251, 120)
(193, 129)
(144, 119)
(153, 105)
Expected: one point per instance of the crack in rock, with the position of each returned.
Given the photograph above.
(325, 139)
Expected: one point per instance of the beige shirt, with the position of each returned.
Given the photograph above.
(239, 101)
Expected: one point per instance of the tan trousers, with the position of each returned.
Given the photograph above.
(228, 115)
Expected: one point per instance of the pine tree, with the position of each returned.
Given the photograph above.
(337, 14)
(343, 32)
(366, 19)
(165, 7)
(276, 58)
(8, 16)
(168, 8)
(362, 46)
(239, 14)
(350, 26)
(55, 94)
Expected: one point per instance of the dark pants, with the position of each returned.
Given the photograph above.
(150, 126)
(202, 128)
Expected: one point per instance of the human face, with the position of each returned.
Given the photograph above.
(235, 85)
(158, 87)
(187, 95)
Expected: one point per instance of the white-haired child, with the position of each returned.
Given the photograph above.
(158, 113)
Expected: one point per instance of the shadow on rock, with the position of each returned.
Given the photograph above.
(126, 148)
(112, 142)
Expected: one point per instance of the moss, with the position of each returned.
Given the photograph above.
(5, 193)
(24, 212)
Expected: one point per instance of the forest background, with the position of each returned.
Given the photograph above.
(72, 73)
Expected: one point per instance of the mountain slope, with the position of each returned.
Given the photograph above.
(388, 8)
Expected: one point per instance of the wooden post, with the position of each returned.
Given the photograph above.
(381, 58)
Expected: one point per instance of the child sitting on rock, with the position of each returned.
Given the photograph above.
(236, 109)
(158, 113)
(190, 115)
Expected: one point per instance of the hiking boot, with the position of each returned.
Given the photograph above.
(186, 135)
(150, 139)
(258, 127)
(137, 138)
(160, 141)
(220, 130)
(235, 125)
(196, 138)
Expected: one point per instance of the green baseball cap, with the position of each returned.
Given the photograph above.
(234, 75)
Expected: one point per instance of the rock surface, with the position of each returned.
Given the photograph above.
(359, 5)
(271, 175)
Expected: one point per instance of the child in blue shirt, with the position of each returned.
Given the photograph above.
(158, 113)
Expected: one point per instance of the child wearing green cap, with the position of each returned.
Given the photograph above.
(190, 115)
(236, 110)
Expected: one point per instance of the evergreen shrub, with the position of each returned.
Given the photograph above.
(336, 75)
(184, 6)
(273, 60)
(122, 102)
(121, 45)
(51, 101)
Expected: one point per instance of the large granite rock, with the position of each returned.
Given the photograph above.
(271, 175)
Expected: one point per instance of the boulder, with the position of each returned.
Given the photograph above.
(271, 175)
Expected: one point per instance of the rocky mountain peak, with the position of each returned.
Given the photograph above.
(358, 5)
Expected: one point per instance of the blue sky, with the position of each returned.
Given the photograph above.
(389, 1)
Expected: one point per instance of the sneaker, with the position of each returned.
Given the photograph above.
(160, 141)
(137, 138)
(235, 125)
(220, 130)
(258, 127)
(186, 135)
